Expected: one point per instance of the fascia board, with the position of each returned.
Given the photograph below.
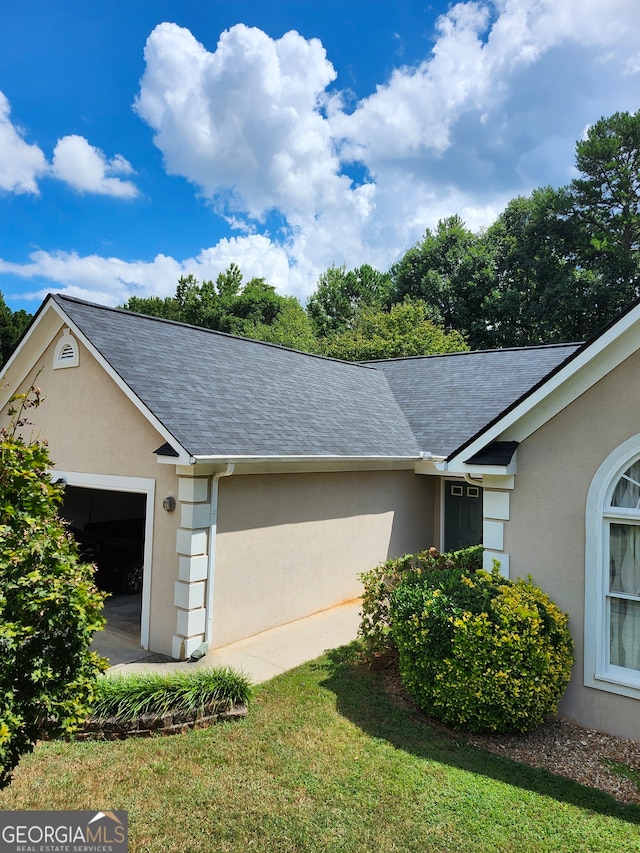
(24, 360)
(122, 385)
(589, 366)
(480, 470)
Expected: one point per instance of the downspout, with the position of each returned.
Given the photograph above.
(472, 480)
(211, 561)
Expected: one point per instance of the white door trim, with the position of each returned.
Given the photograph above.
(139, 485)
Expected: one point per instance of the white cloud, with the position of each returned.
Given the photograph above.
(106, 280)
(480, 66)
(20, 163)
(75, 162)
(493, 111)
(243, 121)
(86, 168)
(111, 281)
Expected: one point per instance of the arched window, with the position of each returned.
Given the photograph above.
(612, 601)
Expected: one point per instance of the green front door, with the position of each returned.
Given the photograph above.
(462, 515)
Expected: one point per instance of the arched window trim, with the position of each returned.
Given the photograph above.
(67, 353)
(598, 672)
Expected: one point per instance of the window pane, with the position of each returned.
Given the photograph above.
(627, 491)
(625, 633)
(624, 558)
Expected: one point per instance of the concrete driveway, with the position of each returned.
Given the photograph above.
(260, 657)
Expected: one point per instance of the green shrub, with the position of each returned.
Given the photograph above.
(481, 652)
(49, 605)
(375, 630)
(129, 696)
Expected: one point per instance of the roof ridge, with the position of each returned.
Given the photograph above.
(473, 352)
(59, 297)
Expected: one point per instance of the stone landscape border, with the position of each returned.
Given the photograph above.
(151, 725)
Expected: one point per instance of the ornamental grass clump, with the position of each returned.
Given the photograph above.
(200, 691)
(480, 652)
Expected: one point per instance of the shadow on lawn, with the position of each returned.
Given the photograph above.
(362, 698)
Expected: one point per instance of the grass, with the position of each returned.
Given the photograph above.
(621, 769)
(130, 696)
(326, 761)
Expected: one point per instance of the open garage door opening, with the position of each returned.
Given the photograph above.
(109, 527)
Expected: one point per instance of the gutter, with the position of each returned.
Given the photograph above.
(239, 460)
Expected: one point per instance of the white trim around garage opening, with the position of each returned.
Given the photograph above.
(138, 485)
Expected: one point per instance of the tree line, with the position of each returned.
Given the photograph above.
(555, 266)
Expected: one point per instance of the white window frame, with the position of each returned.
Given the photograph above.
(599, 673)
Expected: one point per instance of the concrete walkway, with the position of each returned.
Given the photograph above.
(260, 657)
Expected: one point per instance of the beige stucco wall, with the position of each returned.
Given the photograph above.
(289, 545)
(545, 535)
(91, 427)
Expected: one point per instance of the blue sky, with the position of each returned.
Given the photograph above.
(144, 140)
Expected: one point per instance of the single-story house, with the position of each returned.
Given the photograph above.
(265, 479)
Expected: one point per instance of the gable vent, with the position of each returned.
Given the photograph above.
(67, 353)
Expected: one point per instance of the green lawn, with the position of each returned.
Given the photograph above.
(325, 762)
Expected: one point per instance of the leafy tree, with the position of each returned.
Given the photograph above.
(290, 328)
(406, 329)
(340, 294)
(542, 293)
(12, 326)
(49, 605)
(606, 200)
(555, 266)
(451, 270)
(154, 306)
(251, 310)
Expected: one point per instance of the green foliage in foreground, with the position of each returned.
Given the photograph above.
(49, 604)
(378, 584)
(129, 696)
(481, 652)
(325, 761)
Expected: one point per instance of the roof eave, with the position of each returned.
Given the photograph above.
(291, 463)
(583, 368)
(239, 460)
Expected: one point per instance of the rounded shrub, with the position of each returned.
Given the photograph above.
(375, 634)
(480, 652)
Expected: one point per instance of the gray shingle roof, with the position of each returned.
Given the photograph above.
(448, 399)
(221, 395)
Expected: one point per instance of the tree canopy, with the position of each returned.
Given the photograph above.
(405, 330)
(252, 310)
(341, 293)
(12, 326)
(556, 266)
(606, 199)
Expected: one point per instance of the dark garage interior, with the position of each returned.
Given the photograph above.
(109, 527)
